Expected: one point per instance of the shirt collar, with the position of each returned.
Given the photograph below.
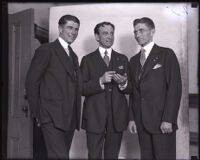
(63, 43)
(148, 48)
(102, 51)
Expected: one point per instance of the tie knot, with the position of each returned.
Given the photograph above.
(142, 57)
(106, 53)
(142, 50)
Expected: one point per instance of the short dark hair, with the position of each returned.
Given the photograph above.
(149, 22)
(63, 20)
(102, 24)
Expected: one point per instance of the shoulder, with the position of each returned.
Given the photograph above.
(43, 51)
(165, 50)
(120, 55)
(134, 58)
(168, 53)
(44, 47)
(91, 55)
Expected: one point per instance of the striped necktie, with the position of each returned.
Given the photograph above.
(142, 57)
(106, 58)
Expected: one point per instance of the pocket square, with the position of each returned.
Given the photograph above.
(157, 66)
(121, 67)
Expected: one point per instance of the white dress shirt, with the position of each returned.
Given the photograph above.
(102, 52)
(64, 45)
(148, 49)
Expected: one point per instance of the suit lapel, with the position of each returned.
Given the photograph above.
(137, 68)
(151, 60)
(99, 60)
(115, 61)
(65, 60)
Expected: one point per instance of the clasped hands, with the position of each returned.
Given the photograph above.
(109, 75)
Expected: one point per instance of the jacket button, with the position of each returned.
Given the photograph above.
(142, 99)
(109, 90)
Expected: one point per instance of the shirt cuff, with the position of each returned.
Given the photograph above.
(101, 84)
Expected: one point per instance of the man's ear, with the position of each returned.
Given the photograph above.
(97, 37)
(153, 32)
(60, 29)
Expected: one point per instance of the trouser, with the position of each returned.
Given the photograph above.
(157, 146)
(108, 142)
(57, 141)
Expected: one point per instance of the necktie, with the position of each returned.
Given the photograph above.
(142, 57)
(71, 57)
(106, 58)
(70, 52)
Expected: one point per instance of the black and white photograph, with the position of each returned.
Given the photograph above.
(100, 80)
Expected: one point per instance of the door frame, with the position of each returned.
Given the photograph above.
(4, 79)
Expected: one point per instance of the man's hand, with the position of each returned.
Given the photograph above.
(132, 127)
(166, 127)
(119, 79)
(107, 77)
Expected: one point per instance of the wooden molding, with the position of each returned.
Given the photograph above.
(194, 139)
(194, 100)
(41, 34)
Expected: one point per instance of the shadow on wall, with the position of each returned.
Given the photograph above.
(128, 45)
(90, 44)
(130, 146)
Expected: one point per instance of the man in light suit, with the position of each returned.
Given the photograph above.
(53, 86)
(156, 94)
(105, 112)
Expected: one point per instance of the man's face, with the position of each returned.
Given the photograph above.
(105, 36)
(69, 31)
(143, 34)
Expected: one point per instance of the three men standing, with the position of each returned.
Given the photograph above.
(156, 94)
(54, 86)
(105, 112)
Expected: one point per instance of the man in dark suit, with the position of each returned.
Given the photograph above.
(105, 112)
(156, 94)
(53, 86)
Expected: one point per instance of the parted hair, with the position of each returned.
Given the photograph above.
(102, 24)
(149, 22)
(63, 20)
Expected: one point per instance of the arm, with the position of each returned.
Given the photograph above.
(90, 86)
(36, 70)
(174, 88)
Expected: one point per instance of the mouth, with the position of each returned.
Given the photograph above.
(72, 37)
(139, 39)
(108, 41)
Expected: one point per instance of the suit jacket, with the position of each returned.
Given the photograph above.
(156, 96)
(95, 105)
(53, 85)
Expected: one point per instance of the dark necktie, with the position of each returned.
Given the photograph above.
(70, 53)
(106, 58)
(142, 57)
(71, 56)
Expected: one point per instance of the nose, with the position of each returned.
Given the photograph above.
(110, 36)
(74, 31)
(138, 35)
